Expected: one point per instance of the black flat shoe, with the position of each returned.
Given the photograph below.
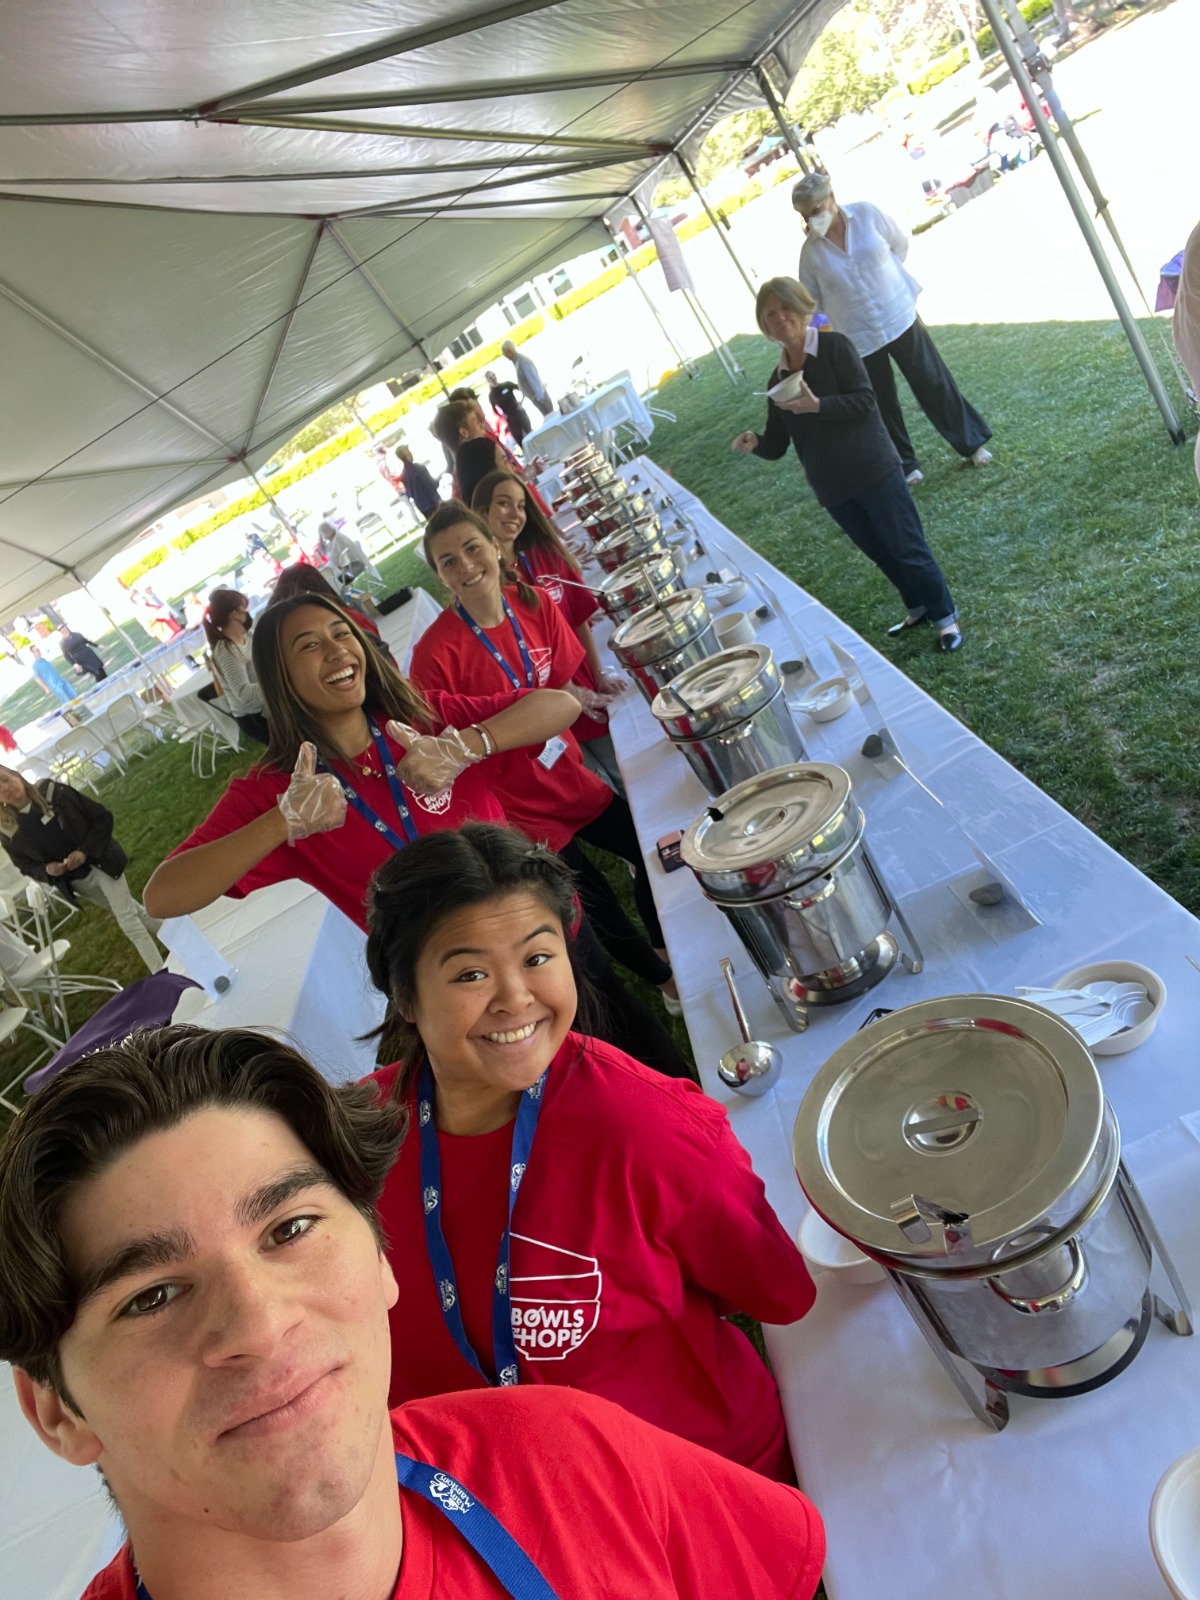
(950, 641)
(898, 628)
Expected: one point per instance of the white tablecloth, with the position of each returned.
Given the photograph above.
(403, 627)
(300, 969)
(861, 1391)
(610, 404)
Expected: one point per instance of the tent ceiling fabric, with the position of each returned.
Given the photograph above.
(215, 221)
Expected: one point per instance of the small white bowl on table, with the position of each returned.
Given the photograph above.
(1118, 1044)
(734, 628)
(1175, 1526)
(827, 1250)
(720, 595)
(827, 700)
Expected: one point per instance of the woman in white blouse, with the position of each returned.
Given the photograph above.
(227, 628)
(852, 263)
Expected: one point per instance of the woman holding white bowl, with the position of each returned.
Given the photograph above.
(831, 418)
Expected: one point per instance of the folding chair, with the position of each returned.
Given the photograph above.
(77, 756)
(127, 719)
(12, 1020)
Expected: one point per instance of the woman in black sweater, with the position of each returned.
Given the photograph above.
(849, 459)
(58, 836)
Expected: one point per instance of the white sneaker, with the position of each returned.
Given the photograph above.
(981, 457)
(914, 477)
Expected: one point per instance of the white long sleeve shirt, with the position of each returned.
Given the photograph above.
(864, 290)
(235, 668)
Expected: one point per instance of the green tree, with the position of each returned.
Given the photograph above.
(844, 72)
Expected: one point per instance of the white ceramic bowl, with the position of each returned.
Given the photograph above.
(828, 700)
(735, 627)
(1120, 972)
(787, 388)
(1175, 1526)
(720, 595)
(826, 1250)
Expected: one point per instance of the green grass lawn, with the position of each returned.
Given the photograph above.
(1072, 557)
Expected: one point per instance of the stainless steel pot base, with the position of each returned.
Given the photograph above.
(874, 964)
(1085, 1373)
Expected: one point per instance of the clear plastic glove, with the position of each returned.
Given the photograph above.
(313, 801)
(594, 703)
(612, 684)
(431, 761)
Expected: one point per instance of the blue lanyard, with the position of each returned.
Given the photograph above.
(367, 812)
(504, 1347)
(523, 558)
(488, 645)
(487, 1536)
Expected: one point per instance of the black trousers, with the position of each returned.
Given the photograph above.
(884, 523)
(616, 1015)
(934, 389)
(613, 831)
(255, 724)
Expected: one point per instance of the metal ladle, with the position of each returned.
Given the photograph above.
(749, 1068)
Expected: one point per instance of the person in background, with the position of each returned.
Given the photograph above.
(1186, 324)
(461, 428)
(639, 1221)
(493, 635)
(529, 379)
(49, 677)
(849, 460)
(226, 624)
(852, 263)
(417, 482)
(385, 469)
(530, 546)
(194, 1300)
(506, 402)
(7, 743)
(53, 833)
(81, 653)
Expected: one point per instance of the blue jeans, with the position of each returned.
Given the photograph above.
(884, 523)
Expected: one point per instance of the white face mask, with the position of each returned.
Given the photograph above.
(820, 223)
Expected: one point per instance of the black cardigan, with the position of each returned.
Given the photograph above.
(844, 447)
(76, 823)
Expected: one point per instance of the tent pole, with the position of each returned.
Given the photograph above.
(1032, 97)
(721, 224)
(369, 279)
(728, 365)
(271, 500)
(785, 127)
(138, 650)
(687, 365)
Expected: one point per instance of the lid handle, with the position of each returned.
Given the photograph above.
(914, 1213)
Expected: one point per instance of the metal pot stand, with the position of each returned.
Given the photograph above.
(1084, 1373)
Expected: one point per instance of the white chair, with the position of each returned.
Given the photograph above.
(81, 754)
(611, 412)
(12, 1019)
(32, 976)
(223, 725)
(187, 721)
(127, 719)
(556, 440)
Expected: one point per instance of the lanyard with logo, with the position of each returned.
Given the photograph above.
(504, 1346)
(367, 812)
(527, 664)
(487, 1536)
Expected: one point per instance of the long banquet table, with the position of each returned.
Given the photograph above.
(919, 1498)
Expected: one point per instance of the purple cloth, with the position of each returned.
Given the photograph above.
(1168, 283)
(148, 1003)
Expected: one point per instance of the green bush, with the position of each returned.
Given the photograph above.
(1031, 10)
(938, 71)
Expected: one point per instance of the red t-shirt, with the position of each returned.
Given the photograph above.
(559, 579)
(339, 863)
(639, 1223)
(550, 804)
(605, 1507)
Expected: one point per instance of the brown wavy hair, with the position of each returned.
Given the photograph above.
(222, 603)
(539, 533)
(33, 797)
(449, 515)
(388, 694)
(104, 1104)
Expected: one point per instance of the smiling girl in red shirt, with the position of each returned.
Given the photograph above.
(606, 1252)
(530, 547)
(492, 635)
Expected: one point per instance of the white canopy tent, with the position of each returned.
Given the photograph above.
(216, 221)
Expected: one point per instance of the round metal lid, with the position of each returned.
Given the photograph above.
(985, 1105)
(715, 684)
(673, 622)
(779, 817)
(637, 574)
